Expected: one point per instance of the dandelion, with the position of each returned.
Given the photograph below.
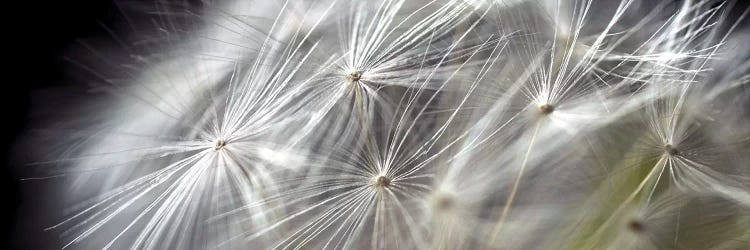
(437, 124)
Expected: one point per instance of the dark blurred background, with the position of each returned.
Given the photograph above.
(40, 34)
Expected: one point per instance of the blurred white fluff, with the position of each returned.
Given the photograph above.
(445, 124)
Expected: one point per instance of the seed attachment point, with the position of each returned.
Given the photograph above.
(636, 226)
(381, 182)
(546, 109)
(443, 202)
(671, 150)
(219, 144)
(354, 76)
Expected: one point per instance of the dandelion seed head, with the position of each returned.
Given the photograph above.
(407, 124)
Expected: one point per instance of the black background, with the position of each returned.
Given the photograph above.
(37, 36)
